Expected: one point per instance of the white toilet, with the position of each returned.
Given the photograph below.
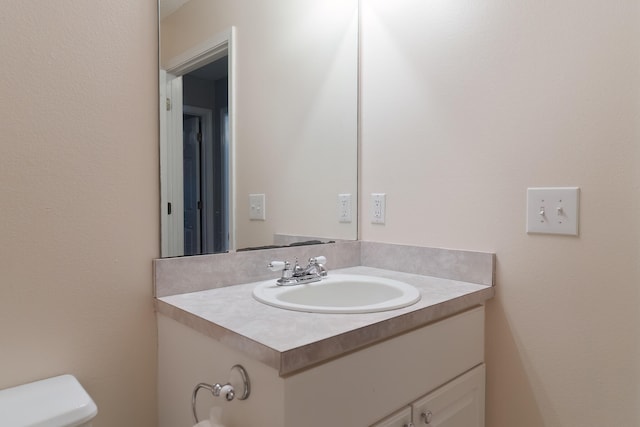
(54, 402)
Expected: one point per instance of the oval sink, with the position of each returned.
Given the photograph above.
(339, 293)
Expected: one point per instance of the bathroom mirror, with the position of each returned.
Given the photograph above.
(282, 159)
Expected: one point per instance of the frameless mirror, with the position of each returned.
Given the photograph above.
(258, 123)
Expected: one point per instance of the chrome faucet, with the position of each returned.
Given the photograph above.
(313, 272)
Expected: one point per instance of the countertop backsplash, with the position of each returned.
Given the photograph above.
(197, 273)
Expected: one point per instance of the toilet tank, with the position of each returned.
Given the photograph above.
(54, 402)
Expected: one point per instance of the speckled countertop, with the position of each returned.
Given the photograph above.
(290, 341)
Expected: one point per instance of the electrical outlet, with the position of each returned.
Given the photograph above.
(344, 207)
(378, 208)
(256, 207)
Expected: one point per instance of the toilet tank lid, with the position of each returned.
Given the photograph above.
(58, 401)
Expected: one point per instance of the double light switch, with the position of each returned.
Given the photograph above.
(553, 210)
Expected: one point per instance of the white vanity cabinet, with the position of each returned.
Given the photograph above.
(437, 367)
(401, 418)
(459, 403)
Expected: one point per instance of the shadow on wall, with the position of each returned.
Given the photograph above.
(510, 400)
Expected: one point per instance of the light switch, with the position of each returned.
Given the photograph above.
(256, 207)
(553, 210)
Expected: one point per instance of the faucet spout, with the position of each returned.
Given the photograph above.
(313, 272)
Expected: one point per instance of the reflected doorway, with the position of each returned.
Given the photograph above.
(197, 149)
(196, 155)
(205, 158)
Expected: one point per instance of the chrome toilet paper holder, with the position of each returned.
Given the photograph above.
(227, 390)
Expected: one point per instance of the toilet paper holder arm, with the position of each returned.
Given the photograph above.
(227, 390)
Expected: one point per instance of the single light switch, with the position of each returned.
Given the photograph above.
(256, 207)
(553, 210)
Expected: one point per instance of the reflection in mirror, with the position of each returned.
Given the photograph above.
(195, 148)
(280, 125)
(206, 158)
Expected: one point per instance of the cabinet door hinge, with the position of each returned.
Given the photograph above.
(168, 104)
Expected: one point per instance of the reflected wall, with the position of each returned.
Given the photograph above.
(296, 109)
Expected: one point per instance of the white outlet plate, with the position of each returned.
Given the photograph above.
(378, 208)
(344, 207)
(553, 210)
(256, 207)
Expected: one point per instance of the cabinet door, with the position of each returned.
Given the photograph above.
(401, 418)
(459, 403)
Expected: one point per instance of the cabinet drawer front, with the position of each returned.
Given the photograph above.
(459, 403)
(367, 385)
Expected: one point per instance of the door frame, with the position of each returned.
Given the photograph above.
(171, 175)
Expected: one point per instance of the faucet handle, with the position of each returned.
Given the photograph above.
(278, 265)
(318, 260)
(317, 264)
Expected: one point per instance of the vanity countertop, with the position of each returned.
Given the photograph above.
(289, 341)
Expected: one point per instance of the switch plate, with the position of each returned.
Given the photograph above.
(378, 208)
(553, 210)
(256, 207)
(344, 207)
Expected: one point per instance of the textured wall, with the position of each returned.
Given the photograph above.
(464, 106)
(78, 199)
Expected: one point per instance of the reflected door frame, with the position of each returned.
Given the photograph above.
(192, 59)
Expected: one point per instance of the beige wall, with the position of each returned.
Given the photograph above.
(78, 199)
(465, 105)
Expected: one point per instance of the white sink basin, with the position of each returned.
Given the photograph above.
(339, 293)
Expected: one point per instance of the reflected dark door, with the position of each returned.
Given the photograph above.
(191, 168)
